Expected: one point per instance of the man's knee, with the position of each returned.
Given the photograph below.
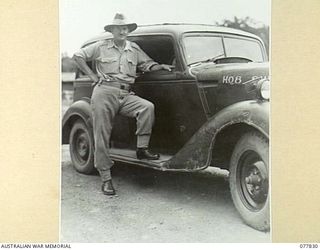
(146, 110)
(150, 107)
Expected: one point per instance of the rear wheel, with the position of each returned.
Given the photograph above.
(249, 180)
(81, 147)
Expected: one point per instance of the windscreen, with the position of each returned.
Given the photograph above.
(203, 47)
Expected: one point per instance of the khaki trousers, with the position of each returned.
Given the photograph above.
(106, 102)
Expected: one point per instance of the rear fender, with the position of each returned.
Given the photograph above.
(78, 110)
(197, 152)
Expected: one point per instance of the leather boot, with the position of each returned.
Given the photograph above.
(107, 188)
(144, 153)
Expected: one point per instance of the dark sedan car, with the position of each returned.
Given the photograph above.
(211, 110)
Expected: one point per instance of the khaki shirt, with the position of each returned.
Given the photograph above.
(112, 63)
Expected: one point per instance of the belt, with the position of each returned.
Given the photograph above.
(124, 86)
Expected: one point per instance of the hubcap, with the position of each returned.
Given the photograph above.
(81, 146)
(253, 182)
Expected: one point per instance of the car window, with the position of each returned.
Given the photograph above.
(199, 48)
(159, 47)
(237, 47)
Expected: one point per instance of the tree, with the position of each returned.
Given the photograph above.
(68, 64)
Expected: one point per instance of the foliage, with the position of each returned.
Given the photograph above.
(68, 64)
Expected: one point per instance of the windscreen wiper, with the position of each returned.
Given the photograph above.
(207, 60)
(232, 59)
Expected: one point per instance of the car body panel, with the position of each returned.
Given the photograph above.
(80, 109)
(224, 84)
(197, 152)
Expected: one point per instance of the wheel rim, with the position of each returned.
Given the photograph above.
(81, 146)
(252, 183)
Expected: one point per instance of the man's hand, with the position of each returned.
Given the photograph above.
(167, 67)
(162, 66)
(96, 80)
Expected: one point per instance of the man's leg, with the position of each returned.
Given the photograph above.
(143, 110)
(105, 105)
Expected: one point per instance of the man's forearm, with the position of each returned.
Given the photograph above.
(156, 67)
(83, 66)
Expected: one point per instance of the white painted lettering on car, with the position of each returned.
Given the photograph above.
(232, 79)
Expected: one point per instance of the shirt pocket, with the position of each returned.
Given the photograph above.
(108, 64)
(130, 65)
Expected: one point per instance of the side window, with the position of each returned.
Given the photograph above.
(159, 47)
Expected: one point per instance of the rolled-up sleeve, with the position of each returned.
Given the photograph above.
(144, 61)
(88, 53)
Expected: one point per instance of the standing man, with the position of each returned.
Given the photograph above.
(116, 62)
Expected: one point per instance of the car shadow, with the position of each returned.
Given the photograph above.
(200, 185)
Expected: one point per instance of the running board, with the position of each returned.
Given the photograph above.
(129, 156)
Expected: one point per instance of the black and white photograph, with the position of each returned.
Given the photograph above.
(165, 121)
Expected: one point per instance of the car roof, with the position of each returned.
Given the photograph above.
(175, 29)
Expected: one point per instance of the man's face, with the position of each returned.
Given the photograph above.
(120, 33)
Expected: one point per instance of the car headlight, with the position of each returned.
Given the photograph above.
(264, 89)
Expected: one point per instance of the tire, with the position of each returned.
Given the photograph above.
(81, 148)
(249, 180)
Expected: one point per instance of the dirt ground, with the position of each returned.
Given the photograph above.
(151, 206)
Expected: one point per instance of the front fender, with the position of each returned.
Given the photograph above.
(196, 153)
(78, 110)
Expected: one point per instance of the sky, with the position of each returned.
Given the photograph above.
(82, 19)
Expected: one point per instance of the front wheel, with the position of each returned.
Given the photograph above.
(249, 180)
(81, 147)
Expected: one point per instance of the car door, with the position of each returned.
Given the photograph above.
(178, 109)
